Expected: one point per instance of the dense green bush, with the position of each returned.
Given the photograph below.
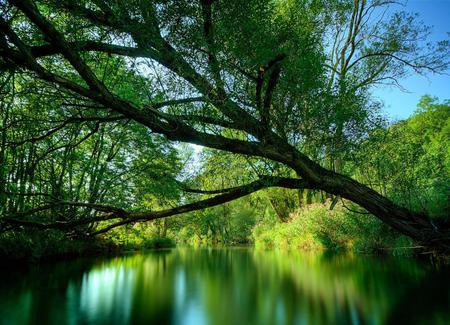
(28, 245)
(33, 246)
(319, 228)
(158, 242)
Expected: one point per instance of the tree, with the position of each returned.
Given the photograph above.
(248, 70)
(408, 161)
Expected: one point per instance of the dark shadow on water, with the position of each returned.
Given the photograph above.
(425, 302)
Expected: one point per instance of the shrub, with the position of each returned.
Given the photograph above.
(318, 228)
(36, 245)
(158, 242)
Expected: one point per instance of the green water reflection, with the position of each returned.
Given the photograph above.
(227, 286)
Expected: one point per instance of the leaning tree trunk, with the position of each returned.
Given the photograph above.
(418, 226)
(415, 225)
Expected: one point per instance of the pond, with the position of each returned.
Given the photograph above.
(227, 286)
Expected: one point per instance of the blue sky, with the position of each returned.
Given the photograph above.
(400, 104)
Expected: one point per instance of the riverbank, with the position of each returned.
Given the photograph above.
(317, 228)
(53, 246)
(314, 228)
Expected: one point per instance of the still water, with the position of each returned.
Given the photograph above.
(227, 286)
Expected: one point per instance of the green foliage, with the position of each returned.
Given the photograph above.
(409, 161)
(141, 236)
(34, 246)
(158, 242)
(318, 228)
(228, 224)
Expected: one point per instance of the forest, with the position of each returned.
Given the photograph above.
(148, 124)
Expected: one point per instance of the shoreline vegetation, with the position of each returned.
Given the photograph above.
(313, 229)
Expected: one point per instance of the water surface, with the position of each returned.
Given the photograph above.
(227, 286)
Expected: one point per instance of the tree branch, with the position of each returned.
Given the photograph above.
(112, 212)
(263, 108)
(265, 113)
(209, 36)
(179, 101)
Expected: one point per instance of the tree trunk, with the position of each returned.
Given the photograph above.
(281, 212)
(309, 196)
(417, 226)
(300, 198)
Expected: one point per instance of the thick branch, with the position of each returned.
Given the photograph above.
(263, 108)
(231, 195)
(179, 101)
(57, 39)
(265, 113)
(208, 33)
(208, 120)
(112, 212)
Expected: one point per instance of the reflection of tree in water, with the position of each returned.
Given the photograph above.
(336, 289)
(227, 286)
(103, 291)
(33, 294)
(269, 288)
(153, 289)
